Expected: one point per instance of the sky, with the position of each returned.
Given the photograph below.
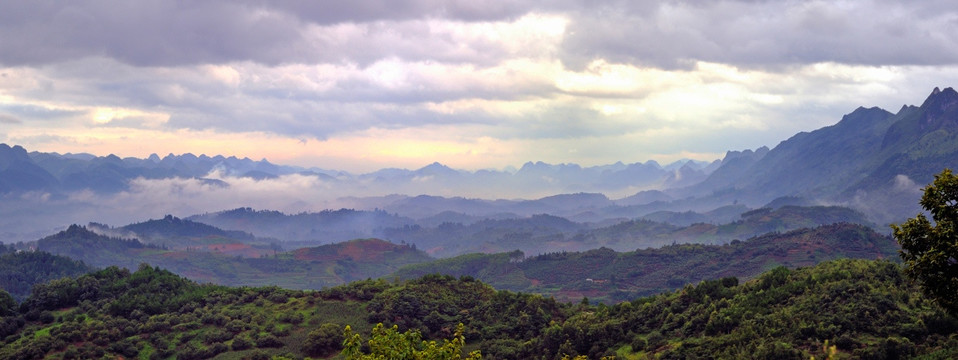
(363, 85)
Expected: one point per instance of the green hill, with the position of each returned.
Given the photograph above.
(20, 271)
(175, 232)
(868, 309)
(612, 276)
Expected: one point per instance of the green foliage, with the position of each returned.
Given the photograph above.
(609, 276)
(8, 306)
(867, 309)
(781, 314)
(389, 343)
(20, 271)
(930, 251)
(325, 340)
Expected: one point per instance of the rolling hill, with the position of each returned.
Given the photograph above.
(867, 309)
(307, 268)
(608, 275)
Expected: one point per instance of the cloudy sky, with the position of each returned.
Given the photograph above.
(361, 85)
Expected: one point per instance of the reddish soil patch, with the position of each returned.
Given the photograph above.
(356, 250)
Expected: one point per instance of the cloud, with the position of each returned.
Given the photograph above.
(9, 119)
(764, 33)
(460, 77)
(159, 33)
(669, 35)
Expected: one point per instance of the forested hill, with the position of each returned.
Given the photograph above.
(607, 275)
(171, 228)
(868, 309)
(547, 233)
(307, 268)
(20, 270)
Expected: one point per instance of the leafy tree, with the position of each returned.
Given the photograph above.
(391, 344)
(324, 341)
(930, 251)
(8, 306)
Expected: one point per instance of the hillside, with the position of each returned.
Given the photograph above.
(308, 268)
(606, 275)
(540, 234)
(21, 270)
(304, 229)
(173, 228)
(866, 308)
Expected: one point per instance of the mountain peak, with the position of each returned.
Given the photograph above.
(937, 96)
(940, 109)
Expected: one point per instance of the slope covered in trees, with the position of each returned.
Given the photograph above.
(20, 271)
(868, 309)
(307, 268)
(606, 275)
(546, 233)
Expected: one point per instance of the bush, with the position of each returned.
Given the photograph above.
(655, 340)
(46, 317)
(639, 344)
(268, 341)
(324, 341)
(241, 343)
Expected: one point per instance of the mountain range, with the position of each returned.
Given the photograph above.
(566, 260)
(872, 160)
(52, 172)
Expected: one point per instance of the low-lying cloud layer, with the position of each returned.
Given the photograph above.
(362, 85)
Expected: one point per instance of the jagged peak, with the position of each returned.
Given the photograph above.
(945, 97)
(906, 107)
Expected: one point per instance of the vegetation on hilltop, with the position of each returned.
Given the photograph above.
(605, 275)
(21, 270)
(868, 309)
(173, 231)
(545, 233)
(307, 268)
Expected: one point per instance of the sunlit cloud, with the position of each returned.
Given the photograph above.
(359, 88)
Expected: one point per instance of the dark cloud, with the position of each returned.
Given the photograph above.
(750, 34)
(664, 34)
(333, 12)
(164, 33)
(146, 33)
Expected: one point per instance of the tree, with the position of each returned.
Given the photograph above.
(930, 251)
(324, 341)
(389, 343)
(8, 306)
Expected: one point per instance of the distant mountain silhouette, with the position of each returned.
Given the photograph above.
(871, 159)
(52, 172)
